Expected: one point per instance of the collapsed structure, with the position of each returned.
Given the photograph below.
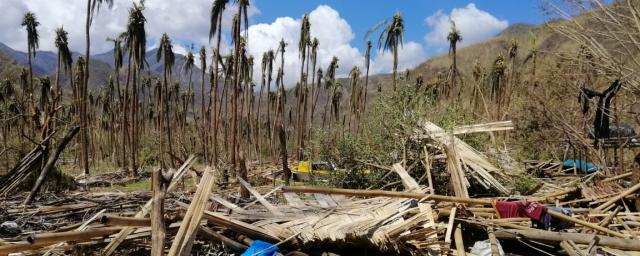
(566, 213)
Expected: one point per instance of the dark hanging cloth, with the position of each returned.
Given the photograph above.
(602, 120)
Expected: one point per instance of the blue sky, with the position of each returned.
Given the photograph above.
(363, 18)
(338, 24)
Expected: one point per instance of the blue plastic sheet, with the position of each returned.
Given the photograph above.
(582, 166)
(258, 246)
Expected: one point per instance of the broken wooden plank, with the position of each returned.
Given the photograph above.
(293, 199)
(407, 181)
(183, 240)
(259, 197)
(452, 218)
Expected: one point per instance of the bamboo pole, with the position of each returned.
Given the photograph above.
(40, 240)
(593, 226)
(384, 193)
(617, 198)
(112, 220)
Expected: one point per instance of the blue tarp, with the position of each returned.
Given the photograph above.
(258, 246)
(581, 165)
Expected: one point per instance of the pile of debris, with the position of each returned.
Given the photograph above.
(563, 215)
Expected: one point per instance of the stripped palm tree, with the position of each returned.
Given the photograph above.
(136, 41)
(305, 38)
(453, 38)
(64, 60)
(203, 116)
(532, 56)
(497, 83)
(313, 55)
(367, 62)
(93, 7)
(165, 53)
(392, 35)
(30, 22)
(118, 62)
(187, 68)
(330, 84)
(356, 93)
(269, 70)
(263, 71)
(512, 53)
(217, 11)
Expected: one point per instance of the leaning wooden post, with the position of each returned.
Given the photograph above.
(51, 163)
(158, 226)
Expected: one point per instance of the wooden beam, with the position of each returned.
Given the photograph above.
(384, 193)
(579, 238)
(183, 241)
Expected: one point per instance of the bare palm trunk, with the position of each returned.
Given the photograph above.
(84, 85)
(395, 67)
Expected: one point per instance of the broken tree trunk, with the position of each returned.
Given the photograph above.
(579, 238)
(120, 237)
(158, 226)
(51, 162)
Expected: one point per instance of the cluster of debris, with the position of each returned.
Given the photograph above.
(566, 213)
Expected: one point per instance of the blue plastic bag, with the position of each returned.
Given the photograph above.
(258, 246)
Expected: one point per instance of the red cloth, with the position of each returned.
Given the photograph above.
(520, 209)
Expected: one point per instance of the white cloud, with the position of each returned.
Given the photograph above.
(474, 24)
(191, 25)
(333, 32)
(336, 39)
(188, 23)
(410, 55)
